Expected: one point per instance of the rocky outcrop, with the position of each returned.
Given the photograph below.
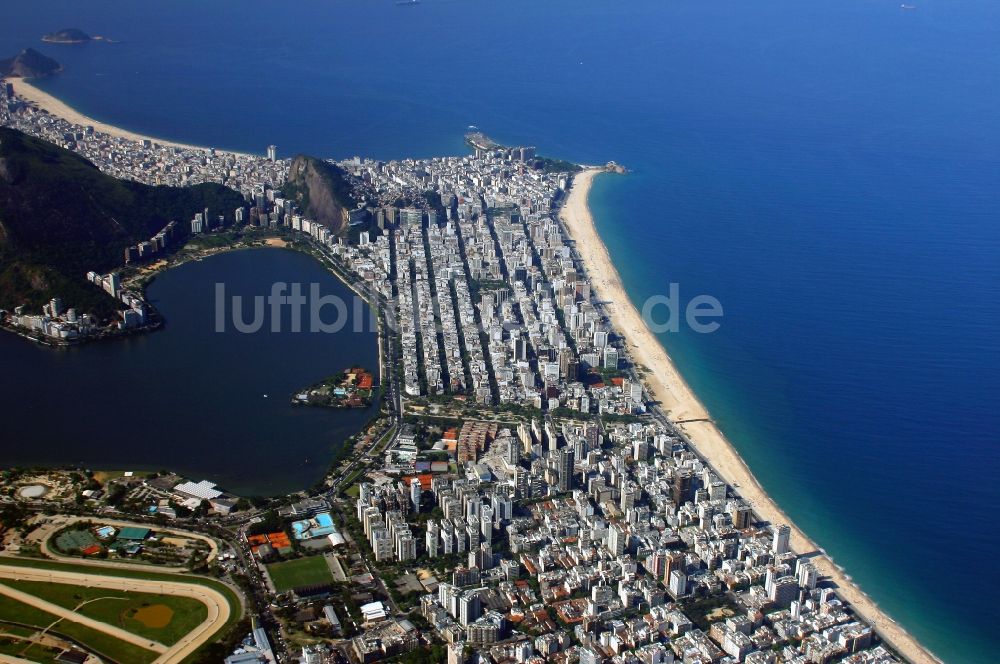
(67, 36)
(321, 190)
(29, 63)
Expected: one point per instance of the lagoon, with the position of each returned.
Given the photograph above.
(188, 398)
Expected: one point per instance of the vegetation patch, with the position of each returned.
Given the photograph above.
(53, 235)
(204, 654)
(299, 573)
(16, 613)
(352, 388)
(162, 618)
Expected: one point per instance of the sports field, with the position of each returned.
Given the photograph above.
(301, 572)
(140, 616)
(162, 618)
(14, 612)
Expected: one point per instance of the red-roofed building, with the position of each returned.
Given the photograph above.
(425, 481)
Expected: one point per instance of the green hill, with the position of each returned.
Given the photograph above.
(60, 217)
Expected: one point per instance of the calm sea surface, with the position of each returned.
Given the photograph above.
(829, 170)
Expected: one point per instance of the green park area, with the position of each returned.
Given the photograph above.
(17, 614)
(299, 573)
(162, 618)
(165, 625)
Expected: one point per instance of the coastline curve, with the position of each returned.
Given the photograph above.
(682, 407)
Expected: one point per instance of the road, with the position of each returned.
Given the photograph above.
(10, 659)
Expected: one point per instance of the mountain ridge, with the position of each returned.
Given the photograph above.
(60, 217)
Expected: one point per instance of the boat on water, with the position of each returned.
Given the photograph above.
(407, 2)
(905, 6)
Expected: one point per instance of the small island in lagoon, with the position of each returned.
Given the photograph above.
(351, 388)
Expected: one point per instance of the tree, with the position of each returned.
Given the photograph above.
(203, 507)
(13, 515)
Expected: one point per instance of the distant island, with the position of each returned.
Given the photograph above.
(29, 63)
(71, 36)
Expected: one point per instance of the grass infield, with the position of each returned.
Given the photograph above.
(301, 572)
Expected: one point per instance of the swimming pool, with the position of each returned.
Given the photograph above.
(318, 526)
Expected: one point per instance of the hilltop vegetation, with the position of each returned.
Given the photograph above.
(60, 217)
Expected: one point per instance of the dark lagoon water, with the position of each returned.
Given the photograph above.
(188, 398)
(829, 170)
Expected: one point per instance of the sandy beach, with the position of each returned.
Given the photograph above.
(46, 102)
(679, 402)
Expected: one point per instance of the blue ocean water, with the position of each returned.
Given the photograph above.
(830, 171)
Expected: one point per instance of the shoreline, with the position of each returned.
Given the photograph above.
(663, 381)
(55, 106)
(679, 403)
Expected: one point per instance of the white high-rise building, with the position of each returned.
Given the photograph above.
(678, 583)
(779, 544)
(617, 539)
(415, 494)
(406, 545)
(784, 591)
(432, 540)
(503, 507)
(610, 358)
(808, 576)
(469, 608)
(486, 524)
(473, 504)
